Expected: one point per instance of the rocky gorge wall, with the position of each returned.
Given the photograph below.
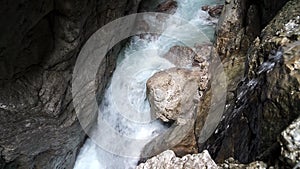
(39, 43)
(258, 42)
(262, 96)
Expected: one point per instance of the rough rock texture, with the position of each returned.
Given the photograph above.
(38, 47)
(165, 6)
(182, 56)
(240, 23)
(232, 164)
(264, 99)
(290, 143)
(172, 93)
(168, 6)
(214, 10)
(168, 160)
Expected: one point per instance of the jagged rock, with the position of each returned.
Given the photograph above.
(174, 96)
(233, 164)
(173, 92)
(168, 160)
(168, 6)
(240, 23)
(39, 44)
(230, 28)
(290, 143)
(182, 56)
(265, 99)
(213, 11)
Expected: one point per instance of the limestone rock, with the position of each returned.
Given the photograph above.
(265, 99)
(290, 143)
(182, 56)
(233, 164)
(168, 160)
(229, 28)
(167, 6)
(214, 10)
(173, 92)
(174, 95)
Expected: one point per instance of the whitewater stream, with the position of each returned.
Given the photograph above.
(125, 107)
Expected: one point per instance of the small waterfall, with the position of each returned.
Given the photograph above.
(125, 108)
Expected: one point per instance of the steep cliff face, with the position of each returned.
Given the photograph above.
(263, 96)
(39, 43)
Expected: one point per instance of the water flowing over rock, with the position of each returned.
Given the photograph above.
(214, 11)
(174, 96)
(264, 99)
(168, 160)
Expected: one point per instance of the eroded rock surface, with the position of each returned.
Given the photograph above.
(265, 98)
(168, 6)
(39, 44)
(290, 143)
(214, 11)
(173, 93)
(168, 160)
(233, 164)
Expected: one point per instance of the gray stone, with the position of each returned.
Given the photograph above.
(290, 143)
(168, 160)
(39, 44)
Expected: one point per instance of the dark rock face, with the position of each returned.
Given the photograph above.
(39, 44)
(264, 98)
(241, 23)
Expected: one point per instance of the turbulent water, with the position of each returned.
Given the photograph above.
(125, 107)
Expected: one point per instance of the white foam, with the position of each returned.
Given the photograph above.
(124, 106)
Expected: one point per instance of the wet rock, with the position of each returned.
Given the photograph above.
(182, 56)
(265, 98)
(240, 23)
(168, 6)
(173, 92)
(230, 28)
(213, 11)
(168, 160)
(38, 50)
(174, 95)
(290, 143)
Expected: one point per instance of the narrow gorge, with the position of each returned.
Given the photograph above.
(185, 84)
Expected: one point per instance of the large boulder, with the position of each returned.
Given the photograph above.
(174, 92)
(168, 160)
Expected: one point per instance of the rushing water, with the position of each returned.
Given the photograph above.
(125, 106)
